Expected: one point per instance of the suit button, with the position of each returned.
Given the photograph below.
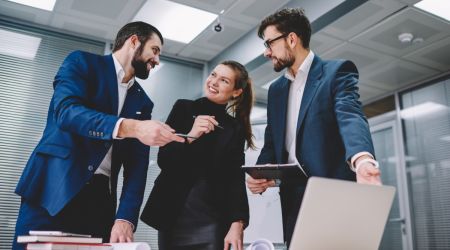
(90, 167)
(107, 144)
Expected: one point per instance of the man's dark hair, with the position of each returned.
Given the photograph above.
(289, 20)
(144, 31)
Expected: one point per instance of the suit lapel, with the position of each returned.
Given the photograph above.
(133, 101)
(312, 84)
(111, 81)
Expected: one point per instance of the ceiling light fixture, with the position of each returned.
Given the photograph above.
(41, 4)
(405, 37)
(436, 7)
(176, 22)
(423, 109)
(417, 40)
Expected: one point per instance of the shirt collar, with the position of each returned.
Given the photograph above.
(304, 67)
(121, 73)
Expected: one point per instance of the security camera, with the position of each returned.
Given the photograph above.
(218, 27)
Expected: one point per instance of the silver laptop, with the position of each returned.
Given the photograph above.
(338, 214)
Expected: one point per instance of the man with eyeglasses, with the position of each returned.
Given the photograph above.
(314, 117)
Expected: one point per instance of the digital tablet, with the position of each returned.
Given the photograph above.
(284, 172)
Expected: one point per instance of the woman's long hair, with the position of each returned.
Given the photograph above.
(242, 105)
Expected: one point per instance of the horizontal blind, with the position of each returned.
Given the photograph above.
(29, 60)
(427, 142)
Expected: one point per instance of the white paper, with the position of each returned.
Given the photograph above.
(130, 246)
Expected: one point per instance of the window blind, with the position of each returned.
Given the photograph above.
(426, 124)
(29, 59)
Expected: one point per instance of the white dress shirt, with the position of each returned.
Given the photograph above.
(296, 90)
(105, 165)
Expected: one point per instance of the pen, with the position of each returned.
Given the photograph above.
(194, 116)
(186, 136)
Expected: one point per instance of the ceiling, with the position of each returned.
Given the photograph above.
(93, 19)
(368, 35)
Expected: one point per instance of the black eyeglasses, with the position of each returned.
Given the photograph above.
(269, 42)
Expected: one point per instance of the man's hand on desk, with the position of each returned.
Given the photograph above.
(122, 231)
(258, 186)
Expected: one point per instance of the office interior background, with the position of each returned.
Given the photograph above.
(401, 48)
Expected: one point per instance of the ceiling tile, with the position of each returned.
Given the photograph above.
(383, 37)
(75, 25)
(321, 43)
(97, 7)
(25, 13)
(253, 11)
(435, 55)
(397, 74)
(366, 60)
(198, 53)
(368, 92)
(361, 18)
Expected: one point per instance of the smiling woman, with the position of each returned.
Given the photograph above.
(208, 204)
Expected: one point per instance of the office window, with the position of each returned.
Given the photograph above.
(29, 59)
(379, 107)
(426, 123)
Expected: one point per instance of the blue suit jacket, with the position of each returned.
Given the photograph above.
(78, 134)
(331, 127)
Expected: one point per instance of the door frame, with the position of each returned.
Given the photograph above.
(392, 120)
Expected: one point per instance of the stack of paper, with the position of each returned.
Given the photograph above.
(40, 240)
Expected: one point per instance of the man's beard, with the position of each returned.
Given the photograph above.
(139, 65)
(283, 63)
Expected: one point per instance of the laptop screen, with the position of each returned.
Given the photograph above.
(337, 214)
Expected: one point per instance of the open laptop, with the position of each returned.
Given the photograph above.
(338, 214)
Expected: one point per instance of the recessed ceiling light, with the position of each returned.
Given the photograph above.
(423, 109)
(40, 4)
(436, 7)
(176, 22)
(18, 45)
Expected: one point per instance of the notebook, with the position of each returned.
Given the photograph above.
(65, 239)
(338, 214)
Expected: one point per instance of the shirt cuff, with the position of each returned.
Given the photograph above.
(132, 226)
(116, 129)
(356, 156)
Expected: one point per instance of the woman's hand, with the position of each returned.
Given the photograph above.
(203, 124)
(235, 236)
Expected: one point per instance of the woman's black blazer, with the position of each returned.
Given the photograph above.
(179, 172)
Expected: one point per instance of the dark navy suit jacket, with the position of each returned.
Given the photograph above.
(331, 128)
(78, 134)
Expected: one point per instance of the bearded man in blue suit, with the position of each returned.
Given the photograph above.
(314, 117)
(98, 121)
